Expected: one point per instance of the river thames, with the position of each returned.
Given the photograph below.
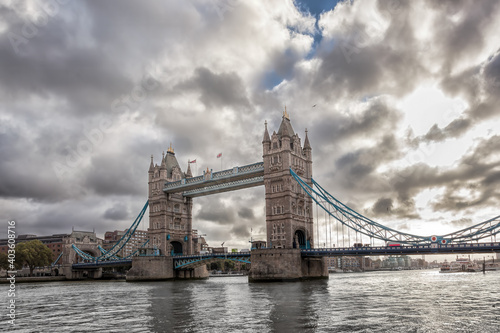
(401, 301)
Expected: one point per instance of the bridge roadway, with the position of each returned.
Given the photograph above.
(218, 182)
(188, 261)
(407, 250)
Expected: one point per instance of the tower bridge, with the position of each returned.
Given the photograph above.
(290, 192)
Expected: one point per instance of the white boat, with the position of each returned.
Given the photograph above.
(460, 265)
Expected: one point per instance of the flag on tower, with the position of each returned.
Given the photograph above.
(219, 155)
(193, 161)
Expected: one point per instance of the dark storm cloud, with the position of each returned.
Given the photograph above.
(240, 231)
(475, 174)
(119, 211)
(454, 129)
(481, 87)
(462, 223)
(216, 90)
(480, 84)
(217, 212)
(25, 173)
(246, 213)
(56, 218)
(366, 60)
(492, 74)
(377, 118)
(383, 206)
(459, 28)
(387, 207)
(92, 54)
(51, 64)
(357, 165)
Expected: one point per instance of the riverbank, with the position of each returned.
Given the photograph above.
(22, 279)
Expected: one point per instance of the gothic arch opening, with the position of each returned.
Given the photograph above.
(176, 248)
(299, 239)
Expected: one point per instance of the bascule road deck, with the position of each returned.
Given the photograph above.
(218, 182)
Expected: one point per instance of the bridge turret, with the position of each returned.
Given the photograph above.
(266, 141)
(189, 174)
(307, 145)
(151, 165)
(288, 212)
(170, 221)
(308, 154)
(151, 170)
(163, 167)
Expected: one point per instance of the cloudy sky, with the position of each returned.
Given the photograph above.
(404, 129)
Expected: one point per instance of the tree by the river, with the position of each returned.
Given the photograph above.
(33, 254)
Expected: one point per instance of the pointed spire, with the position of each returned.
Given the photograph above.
(163, 165)
(285, 126)
(307, 145)
(188, 172)
(285, 114)
(266, 134)
(170, 149)
(151, 166)
(284, 131)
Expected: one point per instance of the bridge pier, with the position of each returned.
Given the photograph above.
(161, 268)
(285, 265)
(200, 272)
(151, 268)
(80, 274)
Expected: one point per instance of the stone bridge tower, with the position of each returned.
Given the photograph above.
(170, 215)
(289, 211)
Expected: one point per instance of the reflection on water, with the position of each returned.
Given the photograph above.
(404, 301)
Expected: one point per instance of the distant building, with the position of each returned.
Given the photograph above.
(199, 243)
(258, 245)
(348, 263)
(54, 243)
(111, 238)
(136, 241)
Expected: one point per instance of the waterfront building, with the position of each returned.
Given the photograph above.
(199, 243)
(54, 243)
(136, 241)
(111, 238)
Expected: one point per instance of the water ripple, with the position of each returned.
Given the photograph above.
(407, 301)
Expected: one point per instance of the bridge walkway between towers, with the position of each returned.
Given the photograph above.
(217, 182)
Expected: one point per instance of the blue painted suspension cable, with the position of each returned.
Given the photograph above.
(119, 245)
(457, 236)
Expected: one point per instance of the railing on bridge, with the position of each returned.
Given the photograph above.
(235, 177)
(190, 260)
(408, 250)
(236, 183)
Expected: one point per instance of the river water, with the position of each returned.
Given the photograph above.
(401, 301)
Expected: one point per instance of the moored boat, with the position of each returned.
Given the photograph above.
(460, 265)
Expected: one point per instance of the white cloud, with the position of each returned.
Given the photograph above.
(205, 79)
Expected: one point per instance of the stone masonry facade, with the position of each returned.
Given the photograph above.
(289, 210)
(170, 215)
